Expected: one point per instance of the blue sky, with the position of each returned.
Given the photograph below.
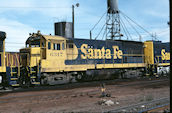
(20, 17)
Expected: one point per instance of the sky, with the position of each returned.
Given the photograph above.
(18, 18)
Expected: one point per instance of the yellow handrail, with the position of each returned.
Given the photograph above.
(18, 65)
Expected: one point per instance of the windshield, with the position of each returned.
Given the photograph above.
(35, 43)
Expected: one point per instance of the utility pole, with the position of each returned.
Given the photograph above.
(169, 15)
(73, 19)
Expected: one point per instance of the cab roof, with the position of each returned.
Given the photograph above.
(50, 37)
(38, 36)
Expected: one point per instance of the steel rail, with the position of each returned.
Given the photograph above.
(144, 106)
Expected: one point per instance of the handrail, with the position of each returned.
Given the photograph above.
(18, 64)
(1, 53)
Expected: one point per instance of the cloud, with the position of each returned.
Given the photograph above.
(20, 17)
(51, 8)
(156, 14)
(17, 33)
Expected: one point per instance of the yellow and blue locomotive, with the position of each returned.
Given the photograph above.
(61, 60)
(49, 60)
(56, 59)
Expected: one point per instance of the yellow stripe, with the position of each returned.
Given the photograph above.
(133, 54)
(85, 67)
(13, 72)
(164, 64)
(33, 77)
(35, 82)
(33, 71)
(14, 78)
(15, 85)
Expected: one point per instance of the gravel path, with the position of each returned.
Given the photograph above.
(85, 99)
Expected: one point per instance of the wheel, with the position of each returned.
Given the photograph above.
(79, 77)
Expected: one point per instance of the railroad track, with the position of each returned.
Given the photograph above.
(144, 106)
(88, 93)
(117, 82)
(162, 108)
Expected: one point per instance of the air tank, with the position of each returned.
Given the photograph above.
(112, 6)
(63, 29)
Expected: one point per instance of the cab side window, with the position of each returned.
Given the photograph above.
(43, 44)
(49, 45)
(63, 46)
(56, 46)
(70, 46)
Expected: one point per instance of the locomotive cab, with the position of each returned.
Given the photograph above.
(42, 48)
(43, 54)
(31, 55)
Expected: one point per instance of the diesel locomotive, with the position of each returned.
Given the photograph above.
(50, 60)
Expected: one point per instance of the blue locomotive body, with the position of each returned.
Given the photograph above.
(107, 52)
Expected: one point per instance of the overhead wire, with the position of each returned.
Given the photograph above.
(125, 32)
(98, 21)
(100, 31)
(131, 25)
(105, 31)
(97, 24)
(125, 28)
(104, 34)
(136, 24)
(163, 31)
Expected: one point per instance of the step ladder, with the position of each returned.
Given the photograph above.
(14, 71)
(33, 75)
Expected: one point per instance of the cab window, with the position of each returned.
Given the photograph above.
(27, 45)
(70, 45)
(35, 44)
(63, 46)
(49, 45)
(43, 44)
(56, 46)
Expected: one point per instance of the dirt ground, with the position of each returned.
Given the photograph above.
(81, 99)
